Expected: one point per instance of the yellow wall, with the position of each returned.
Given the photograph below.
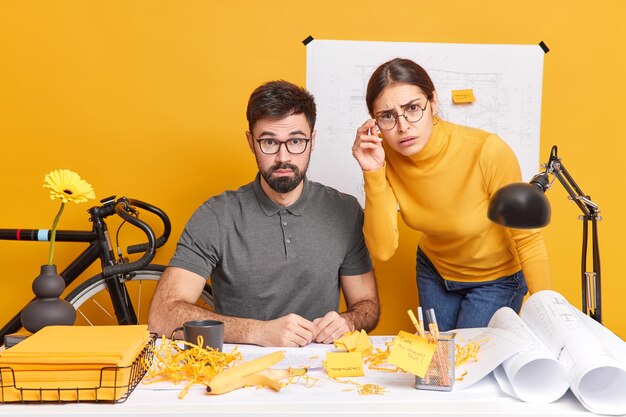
(147, 99)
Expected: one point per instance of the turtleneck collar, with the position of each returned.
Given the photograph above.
(437, 142)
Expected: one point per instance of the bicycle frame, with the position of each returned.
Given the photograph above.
(100, 247)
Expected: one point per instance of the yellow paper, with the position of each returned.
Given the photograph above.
(113, 345)
(463, 96)
(357, 341)
(95, 359)
(341, 364)
(412, 353)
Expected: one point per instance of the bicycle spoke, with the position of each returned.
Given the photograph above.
(85, 317)
(95, 290)
(102, 308)
(139, 300)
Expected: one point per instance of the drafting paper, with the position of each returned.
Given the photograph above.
(506, 81)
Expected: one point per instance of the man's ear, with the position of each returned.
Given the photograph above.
(250, 141)
(313, 139)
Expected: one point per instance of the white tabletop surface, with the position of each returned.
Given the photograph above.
(325, 398)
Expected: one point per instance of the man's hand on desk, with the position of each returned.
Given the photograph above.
(291, 330)
(331, 327)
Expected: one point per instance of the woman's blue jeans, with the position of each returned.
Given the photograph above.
(466, 304)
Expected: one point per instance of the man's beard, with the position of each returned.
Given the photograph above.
(283, 185)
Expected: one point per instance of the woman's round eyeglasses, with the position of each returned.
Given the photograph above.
(412, 113)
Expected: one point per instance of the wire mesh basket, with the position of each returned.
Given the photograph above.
(440, 373)
(109, 384)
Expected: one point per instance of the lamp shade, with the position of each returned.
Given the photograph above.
(520, 206)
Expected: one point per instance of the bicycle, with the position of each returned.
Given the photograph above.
(115, 294)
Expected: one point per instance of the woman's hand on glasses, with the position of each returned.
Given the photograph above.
(368, 148)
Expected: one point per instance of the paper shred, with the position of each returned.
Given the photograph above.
(378, 357)
(362, 389)
(193, 365)
(467, 352)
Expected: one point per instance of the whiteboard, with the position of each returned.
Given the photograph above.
(506, 81)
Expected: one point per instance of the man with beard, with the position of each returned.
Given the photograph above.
(279, 249)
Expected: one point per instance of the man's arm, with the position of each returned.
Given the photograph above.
(362, 312)
(174, 301)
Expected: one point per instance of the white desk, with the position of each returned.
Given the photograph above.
(326, 398)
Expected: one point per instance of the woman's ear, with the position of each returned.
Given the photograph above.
(434, 103)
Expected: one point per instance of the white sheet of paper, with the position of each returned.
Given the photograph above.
(310, 356)
(533, 374)
(498, 345)
(596, 374)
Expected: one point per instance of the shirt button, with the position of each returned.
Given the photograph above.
(284, 223)
(287, 240)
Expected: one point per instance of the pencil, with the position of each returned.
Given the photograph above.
(433, 322)
(442, 363)
(420, 317)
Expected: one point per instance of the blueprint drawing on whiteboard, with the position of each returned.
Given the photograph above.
(505, 79)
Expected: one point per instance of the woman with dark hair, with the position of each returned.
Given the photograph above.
(440, 176)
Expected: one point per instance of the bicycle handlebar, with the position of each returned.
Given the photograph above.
(122, 207)
(125, 208)
(167, 226)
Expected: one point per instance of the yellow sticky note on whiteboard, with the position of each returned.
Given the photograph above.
(340, 364)
(412, 353)
(463, 96)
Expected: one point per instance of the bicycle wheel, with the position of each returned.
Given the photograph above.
(93, 304)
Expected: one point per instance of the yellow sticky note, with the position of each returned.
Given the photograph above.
(412, 353)
(340, 364)
(463, 96)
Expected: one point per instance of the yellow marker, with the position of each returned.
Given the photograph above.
(417, 325)
(463, 96)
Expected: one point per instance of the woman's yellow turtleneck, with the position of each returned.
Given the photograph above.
(443, 191)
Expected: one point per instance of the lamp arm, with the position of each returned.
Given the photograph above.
(591, 288)
(584, 203)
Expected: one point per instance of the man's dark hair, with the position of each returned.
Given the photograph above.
(279, 99)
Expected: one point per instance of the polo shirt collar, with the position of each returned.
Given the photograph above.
(270, 208)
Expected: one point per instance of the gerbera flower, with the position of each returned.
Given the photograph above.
(65, 185)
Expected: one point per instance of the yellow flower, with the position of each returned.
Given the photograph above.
(65, 185)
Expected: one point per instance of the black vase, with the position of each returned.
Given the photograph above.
(48, 309)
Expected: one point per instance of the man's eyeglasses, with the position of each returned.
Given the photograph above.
(412, 113)
(272, 146)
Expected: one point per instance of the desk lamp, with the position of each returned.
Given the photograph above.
(525, 206)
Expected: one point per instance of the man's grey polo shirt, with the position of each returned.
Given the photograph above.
(265, 260)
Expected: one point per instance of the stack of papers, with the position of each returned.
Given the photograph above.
(72, 363)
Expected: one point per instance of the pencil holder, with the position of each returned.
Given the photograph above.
(440, 373)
